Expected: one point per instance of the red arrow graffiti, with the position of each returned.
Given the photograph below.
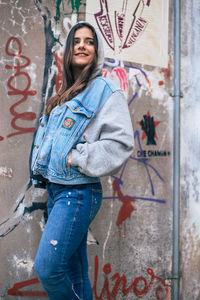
(16, 289)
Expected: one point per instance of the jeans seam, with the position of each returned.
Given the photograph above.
(75, 293)
(92, 206)
(82, 275)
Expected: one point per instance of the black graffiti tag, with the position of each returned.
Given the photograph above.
(148, 126)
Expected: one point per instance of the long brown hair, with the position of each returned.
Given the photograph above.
(71, 87)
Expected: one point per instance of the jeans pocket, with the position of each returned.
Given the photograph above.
(95, 202)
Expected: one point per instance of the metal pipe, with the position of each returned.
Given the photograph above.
(176, 156)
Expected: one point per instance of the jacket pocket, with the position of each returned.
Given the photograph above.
(77, 107)
(75, 118)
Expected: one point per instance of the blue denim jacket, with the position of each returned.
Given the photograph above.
(61, 131)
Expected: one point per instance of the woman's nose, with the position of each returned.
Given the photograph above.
(81, 44)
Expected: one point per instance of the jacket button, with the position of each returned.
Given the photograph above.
(42, 124)
(36, 146)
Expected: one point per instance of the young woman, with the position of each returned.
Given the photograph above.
(84, 133)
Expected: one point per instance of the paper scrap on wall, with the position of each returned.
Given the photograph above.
(132, 30)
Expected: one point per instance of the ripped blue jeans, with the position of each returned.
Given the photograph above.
(61, 261)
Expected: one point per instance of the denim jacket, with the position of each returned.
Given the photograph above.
(59, 133)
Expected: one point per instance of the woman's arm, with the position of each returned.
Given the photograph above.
(108, 140)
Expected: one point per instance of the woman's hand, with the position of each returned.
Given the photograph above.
(69, 159)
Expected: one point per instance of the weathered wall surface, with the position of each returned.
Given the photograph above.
(190, 155)
(130, 241)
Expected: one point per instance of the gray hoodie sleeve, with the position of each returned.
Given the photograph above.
(108, 141)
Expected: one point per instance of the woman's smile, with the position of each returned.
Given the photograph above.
(81, 54)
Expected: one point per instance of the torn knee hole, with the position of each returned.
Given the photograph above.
(54, 242)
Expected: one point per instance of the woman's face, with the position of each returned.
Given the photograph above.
(84, 49)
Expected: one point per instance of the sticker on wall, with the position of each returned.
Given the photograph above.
(132, 30)
(148, 126)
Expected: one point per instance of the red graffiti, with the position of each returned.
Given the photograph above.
(161, 82)
(24, 93)
(58, 77)
(139, 287)
(166, 71)
(119, 74)
(103, 21)
(16, 289)
(120, 19)
(148, 2)
(127, 208)
(137, 27)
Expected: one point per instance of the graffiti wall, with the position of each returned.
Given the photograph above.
(135, 31)
(130, 241)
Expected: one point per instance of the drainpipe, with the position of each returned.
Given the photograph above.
(176, 156)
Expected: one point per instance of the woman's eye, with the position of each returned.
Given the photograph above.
(90, 42)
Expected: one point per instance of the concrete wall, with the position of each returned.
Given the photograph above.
(190, 155)
(130, 241)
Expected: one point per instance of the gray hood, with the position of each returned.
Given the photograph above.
(98, 70)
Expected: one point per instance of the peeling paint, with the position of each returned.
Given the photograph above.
(22, 209)
(6, 172)
(42, 224)
(91, 240)
(23, 263)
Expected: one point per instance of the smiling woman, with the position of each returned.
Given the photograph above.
(85, 133)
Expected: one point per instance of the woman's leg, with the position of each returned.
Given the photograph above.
(65, 230)
(78, 264)
(78, 272)
(49, 262)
